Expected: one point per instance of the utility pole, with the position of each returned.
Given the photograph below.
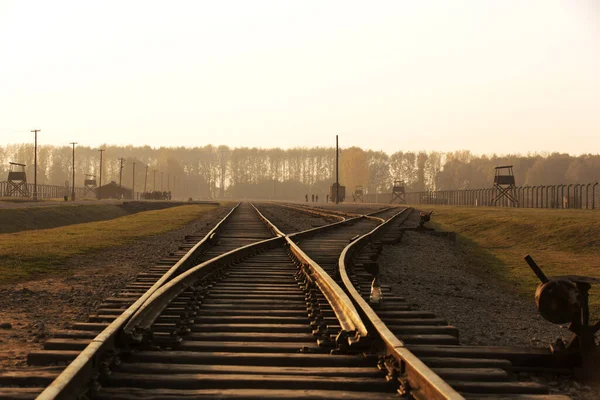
(73, 186)
(35, 194)
(168, 182)
(154, 181)
(161, 176)
(133, 183)
(100, 186)
(337, 170)
(145, 179)
(121, 171)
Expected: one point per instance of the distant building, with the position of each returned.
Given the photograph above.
(113, 191)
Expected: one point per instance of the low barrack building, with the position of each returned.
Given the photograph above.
(113, 191)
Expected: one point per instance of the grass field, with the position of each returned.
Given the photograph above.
(22, 219)
(495, 240)
(26, 255)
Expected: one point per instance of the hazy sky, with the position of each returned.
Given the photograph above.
(489, 76)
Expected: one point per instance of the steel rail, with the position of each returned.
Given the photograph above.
(338, 213)
(423, 383)
(308, 210)
(145, 316)
(344, 214)
(134, 322)
(82, 368)
(269, 224)
(341, 304)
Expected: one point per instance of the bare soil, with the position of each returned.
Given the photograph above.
(30, 311)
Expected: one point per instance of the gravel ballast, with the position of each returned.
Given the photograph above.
(432, 273)
(35, 308)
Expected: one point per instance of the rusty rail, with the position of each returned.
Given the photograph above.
(80, 370)
(423, 383)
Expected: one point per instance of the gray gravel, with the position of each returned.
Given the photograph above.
(430, 272)
(290, 221)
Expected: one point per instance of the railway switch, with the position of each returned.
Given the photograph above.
(564, 299)
(423, 219)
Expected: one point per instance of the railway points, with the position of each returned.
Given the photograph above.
(253, 310)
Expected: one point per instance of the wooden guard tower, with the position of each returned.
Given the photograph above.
(90, 184)
(398, 192)
(358, 194)
(17, 181)
(504, 182)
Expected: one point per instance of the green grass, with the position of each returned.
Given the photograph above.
(495, 241)
(22, 219)
(33, 254)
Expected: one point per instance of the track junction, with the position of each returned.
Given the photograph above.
(253, 309)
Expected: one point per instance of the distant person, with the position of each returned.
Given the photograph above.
(327, 199)
(306, 197)
(317, 198)
(313, 198)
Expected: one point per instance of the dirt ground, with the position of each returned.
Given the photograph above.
(30, 311)
(433, 273)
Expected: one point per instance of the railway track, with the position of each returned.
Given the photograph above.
(249, 312)
(474, 371)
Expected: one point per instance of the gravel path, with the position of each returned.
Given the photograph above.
(35, 308)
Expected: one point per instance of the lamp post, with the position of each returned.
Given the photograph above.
(145, 179)
(133, 182)
(35, 194)
(121, 170)
(100, 185)
(154, 181)
(73, 185)
(337, 170)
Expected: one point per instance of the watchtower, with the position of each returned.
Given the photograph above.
(358, 194)
(504, 182)
(17, 181)
(90, 184)
(398, 192)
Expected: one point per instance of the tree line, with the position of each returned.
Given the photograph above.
(222, 171)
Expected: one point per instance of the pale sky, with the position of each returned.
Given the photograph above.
(488, 76)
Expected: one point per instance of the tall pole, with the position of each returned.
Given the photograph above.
(161, 176)
(73, 186)
(337, 170)
(145, 179)
(168, 182)
(154, 181)
(121, 171)
(100, 186)
(35, 194)
(133, 183)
